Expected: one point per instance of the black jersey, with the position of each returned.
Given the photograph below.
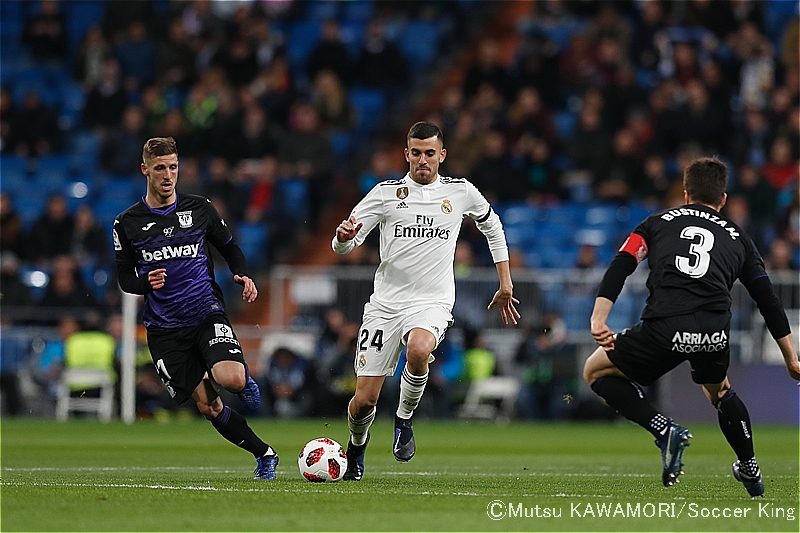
(695, 255)
(177, 238)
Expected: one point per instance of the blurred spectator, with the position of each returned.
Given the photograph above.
(590, 147)
(751, 141)
(222, 185)
(781, 170)
(330, 99)
(45, 33)
(308, 152)
(93, 51)
(479, 361)
(107, 99)
(89, 240)
(35, 128)
(380, 62)
(51, 234)
(264, 174)
(381, 167)
(13, 351)
(493, 171)
(176, 57)
(656, 182)
(258, 136)
(137, 54)
(285, 384)
(267, 42)
(779, 256)
(49, 364)
(238, 59)
(587, 257)
(547, 365)
(14, 292)
(121, 152)
(90, 348)
(11, 236)
(330, 53)
(488, 69)
(66, 292)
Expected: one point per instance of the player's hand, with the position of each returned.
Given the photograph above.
(250, 292)
(504, 301)
(603, 336)
(157, 278)
(793, 367)
(348, 229)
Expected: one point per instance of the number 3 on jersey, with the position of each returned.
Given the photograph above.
(697, 265)
(377, 340)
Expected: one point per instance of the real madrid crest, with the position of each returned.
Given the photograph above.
(185, 219)
(402, 193)
(362, 360)
(447, 207)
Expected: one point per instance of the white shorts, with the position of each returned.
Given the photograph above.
(382, 336)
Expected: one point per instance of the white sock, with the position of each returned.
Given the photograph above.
(359, 428)
(411, 389)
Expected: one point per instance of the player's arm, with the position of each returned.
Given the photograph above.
(504, 297)
(125, 259)
(351, 232)
(220, 236)
(490, 225)
(758, 285)
(631, 253)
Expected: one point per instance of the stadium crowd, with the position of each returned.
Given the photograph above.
(280, 109)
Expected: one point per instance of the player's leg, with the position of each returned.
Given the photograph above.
(234, 428)
(640, 357)
(419, 345)
(377, 353)
(360, 416)
(734, 421)
(624, 395)
(223, 352)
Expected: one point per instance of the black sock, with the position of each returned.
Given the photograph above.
(234, 428)
(734, 421)
(629, 400)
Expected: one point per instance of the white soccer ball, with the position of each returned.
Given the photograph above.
(322, 460)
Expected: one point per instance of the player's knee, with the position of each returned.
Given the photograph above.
(210, 410)
(589, 373)
(235, 382)
(364, 401)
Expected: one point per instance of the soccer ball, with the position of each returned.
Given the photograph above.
(322, 460)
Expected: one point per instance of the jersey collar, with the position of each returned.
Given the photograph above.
(432, 185)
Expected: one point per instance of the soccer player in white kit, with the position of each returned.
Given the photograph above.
(419, 217)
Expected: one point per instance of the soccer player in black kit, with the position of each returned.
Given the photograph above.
(695, 254)
(162, 251)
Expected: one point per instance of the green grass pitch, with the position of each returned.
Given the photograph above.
(87, 476)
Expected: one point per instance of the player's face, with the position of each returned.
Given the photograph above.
(162, 176)
(424, 157)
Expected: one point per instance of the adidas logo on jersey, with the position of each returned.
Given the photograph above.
(402, 205)
(171, 252)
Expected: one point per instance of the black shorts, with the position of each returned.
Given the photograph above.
(183, 355)
(653, 347)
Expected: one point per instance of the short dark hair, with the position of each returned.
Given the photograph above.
(425, 130)
(158, 146)
(706, 179)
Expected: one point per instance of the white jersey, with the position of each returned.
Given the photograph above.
(419, 227)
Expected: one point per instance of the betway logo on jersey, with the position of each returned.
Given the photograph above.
(674, 213)
(686, 342)
(171, 252)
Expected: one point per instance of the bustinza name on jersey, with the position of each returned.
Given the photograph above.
(674, 213)
(423, 230)
(171, 252)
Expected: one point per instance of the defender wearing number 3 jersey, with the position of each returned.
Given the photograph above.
(695, 255)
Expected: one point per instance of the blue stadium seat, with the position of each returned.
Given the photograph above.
(521, 214)
(303, 36)
(577, 309)
(322, 9)
(565, 122)
(358, 10)
(81, 15)
(370, 106)
(352, 35)
(291, 195)
(254, 240)
(29, 206)
(73, 99)
(419, 42)
(341, 142)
